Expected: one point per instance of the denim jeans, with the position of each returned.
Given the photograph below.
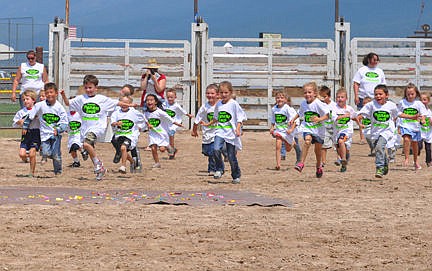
(219, 143)
(208, 150)
(52, 148)
(381, 159)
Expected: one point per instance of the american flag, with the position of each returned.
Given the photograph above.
(72, 32)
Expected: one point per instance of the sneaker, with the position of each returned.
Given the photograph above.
(428, 164)
(44, 160)
(75, 164)
(236, 181)
(85, 155)
(132, 167)
(156, 165)
(100, 172)
(211, 173)
(217, 175)
(379, 172)
(372, 154)
(171, 155)
(283, 157)
(417, 166)
(117, 157)
(319, 172)
(344, 164)
(299, 167)
(392, 160)
(122, 169)
(385, 170)
(338, 162)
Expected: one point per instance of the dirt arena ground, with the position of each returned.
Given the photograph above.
(344, 221)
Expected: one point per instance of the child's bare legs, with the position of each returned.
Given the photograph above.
(171, 141)
(362, 137)
(91, 151)
(341, 150)
(323, 155)
(32, 156)
(23, 154)
(171, 149)
(415, 148)
(318, 154)
(125, 156)
(306, 146)
(74, 154)
(278, 152)
(406, 147)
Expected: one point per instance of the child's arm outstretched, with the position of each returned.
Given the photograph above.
(65, 99)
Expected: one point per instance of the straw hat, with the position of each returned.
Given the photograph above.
(151, 64)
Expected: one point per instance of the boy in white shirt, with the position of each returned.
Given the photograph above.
(126, 122)
(93, 109)
(205, 114)
(53, 122)
(175, 111)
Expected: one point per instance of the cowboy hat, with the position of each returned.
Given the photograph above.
(151, 64)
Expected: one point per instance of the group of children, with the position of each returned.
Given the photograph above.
(44, 122)
(328, 124)
(319, 120)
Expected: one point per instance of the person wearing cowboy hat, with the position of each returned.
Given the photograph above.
(153, 82)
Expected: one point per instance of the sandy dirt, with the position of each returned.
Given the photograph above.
(343, 221)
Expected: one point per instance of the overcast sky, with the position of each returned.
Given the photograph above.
(171, 19)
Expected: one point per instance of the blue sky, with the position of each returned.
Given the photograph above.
(171, 19)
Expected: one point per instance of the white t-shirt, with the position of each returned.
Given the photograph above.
(74, 129)
(411, 108)
(161, 122)
(50, 117)
(307, 111)
(228, 115)
(329, 122)
(176, 112)
(281, 116)
(368, 79)
(94, 111)
(131, 121)
(22, 114)
(343, 125)
(382, 118)
(425, 129)
(31, 77)
(206, 113)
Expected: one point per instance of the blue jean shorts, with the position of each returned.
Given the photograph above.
(415, 135)
(315, 138)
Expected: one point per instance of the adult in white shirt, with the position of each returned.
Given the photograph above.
(367, 78)
(32, 76)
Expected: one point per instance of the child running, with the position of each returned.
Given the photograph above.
(366, 124)
(343, 115)
(325, 97)
(229, 119)
(382, 113)
(74, 137)
(126, 122)
(158, 122)
(411, 112)
(281, 116)
(205, 114)
(176, 112)
(313, 113)
(30, 138)
(425, 129)
(93, 109)
(53, 122)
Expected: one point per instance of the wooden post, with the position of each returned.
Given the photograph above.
(39, 54)
(67, 13)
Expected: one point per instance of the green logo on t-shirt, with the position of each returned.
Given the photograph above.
(224, 116)
(126, 124)
(32, 71)
(309, 114)
(280, 118)
(343, 120)
(372, 75)
(91, 108)
(381, 116)
(170, 113)
(154, 122)
(210, 116)
(410, 111)
(50, 118)
(366, 122)
(74, 125)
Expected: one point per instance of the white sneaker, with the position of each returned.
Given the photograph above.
(217, 175)
(236, 181)
(100, 173)
(122, 169)
(156, 165)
